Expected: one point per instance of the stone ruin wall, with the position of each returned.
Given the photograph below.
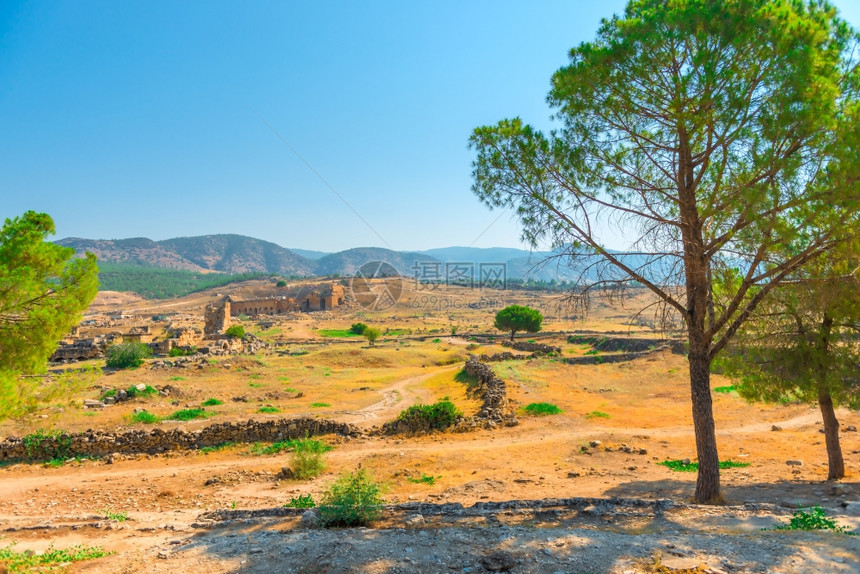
(155, 441)
(268, 306)
(216, 319)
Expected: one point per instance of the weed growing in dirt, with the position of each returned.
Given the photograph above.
(728, 389)
(216, 447)
(597, 415)
(437, 416)
(814, 519)
(188, 415)
(58, 462)
(687, 466)
(144, 417)
(177, 378)
(423, 479)
(212, 403)
(301, 501)
(541, 409)
(117, 516)
(268, 410)
(319, 405)
(51, 558)
(436, 341)
(353, 500)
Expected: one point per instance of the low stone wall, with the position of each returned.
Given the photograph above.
(537, 348)
(158, 440)
(496, 407)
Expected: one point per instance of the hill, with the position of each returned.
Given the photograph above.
(239, 254)
(349, 261)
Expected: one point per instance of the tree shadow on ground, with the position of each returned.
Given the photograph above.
(595, 536)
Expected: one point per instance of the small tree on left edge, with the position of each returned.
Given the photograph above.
(43, 293)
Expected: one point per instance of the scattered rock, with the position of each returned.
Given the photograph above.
(310, 519)
(837, 489)
(415, 521)
(776, 428)
(595, 443)
(850, 428)
(794, 462)
(852, 508)
(499, 561)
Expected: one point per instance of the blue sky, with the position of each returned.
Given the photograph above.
(126, 119)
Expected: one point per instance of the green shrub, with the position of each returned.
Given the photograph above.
(147, 391)
(127, 355)
(815, 519)
(188, 415)
(357, 328)
(681, 466)
(51, 559)
(541, 409)
(301, 501)
(728, 389)
(268, 410)
(319, 405)
(212, 403)
(182, 351)
(35, 444)
(306, 444)
(235, 332)
(306, 463)
(144, 417)
(353, 500)
(437, 416)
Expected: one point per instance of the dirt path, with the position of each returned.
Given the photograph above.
(395, 398)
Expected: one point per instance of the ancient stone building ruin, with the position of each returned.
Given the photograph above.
(321, 299)
(326, 298)
(216, 319)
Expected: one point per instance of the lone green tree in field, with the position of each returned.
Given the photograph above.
(371, 334)
(713, 135)
(801, 344)
(43, 293)
(515, 318)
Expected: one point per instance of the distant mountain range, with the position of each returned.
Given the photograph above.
(241, 254)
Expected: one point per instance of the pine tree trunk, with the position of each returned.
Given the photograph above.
(513, 331)
(836, 466)
(708, 479)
